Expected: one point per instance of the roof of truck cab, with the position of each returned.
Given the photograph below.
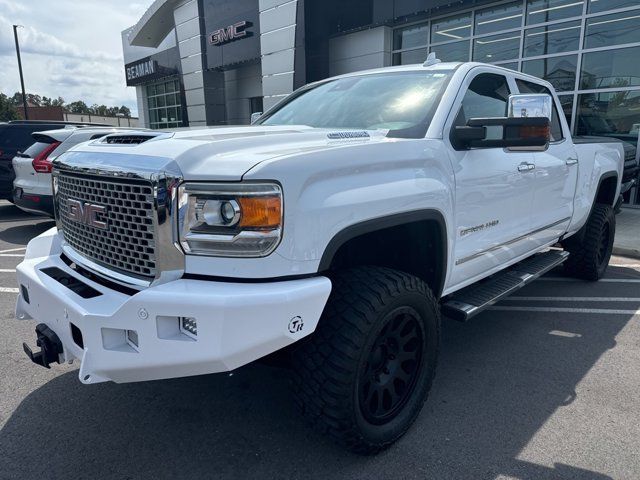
(436, 67)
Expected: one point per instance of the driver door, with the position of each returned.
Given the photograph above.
(493, 186)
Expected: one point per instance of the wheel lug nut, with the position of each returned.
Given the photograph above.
(392, 357)
(386, 371)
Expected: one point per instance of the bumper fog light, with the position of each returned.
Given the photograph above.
(132, 338)
(189, 326)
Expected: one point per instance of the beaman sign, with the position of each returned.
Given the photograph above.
(230, 33)
(141, 69)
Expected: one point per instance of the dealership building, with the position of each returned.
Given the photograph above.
(215, 62)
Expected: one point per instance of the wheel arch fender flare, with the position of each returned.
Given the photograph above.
(388, 221)
(579, 235)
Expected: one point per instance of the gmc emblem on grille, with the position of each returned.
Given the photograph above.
(87, 213)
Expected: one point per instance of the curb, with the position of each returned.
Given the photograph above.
(626, 252)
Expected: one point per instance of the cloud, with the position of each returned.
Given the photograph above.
(34, 41)
(73, 51)
(12, 7)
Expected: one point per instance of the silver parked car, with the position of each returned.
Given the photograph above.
(32, 189)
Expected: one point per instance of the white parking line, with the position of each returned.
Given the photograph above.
(7, 270)
(13, 250)
(605, 280)
(11, 255)
(574, 299)
(601, 311)
(628, 265)
(8, 290)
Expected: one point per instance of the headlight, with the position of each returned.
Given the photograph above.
(230, 220)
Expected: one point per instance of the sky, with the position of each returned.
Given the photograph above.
(70, 49)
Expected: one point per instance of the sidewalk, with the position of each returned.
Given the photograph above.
(627, 241)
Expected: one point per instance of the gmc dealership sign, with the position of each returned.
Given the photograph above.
(141, 69)
(159, 65)
(230, 33)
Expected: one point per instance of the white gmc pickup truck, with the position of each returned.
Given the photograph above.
(337, 227)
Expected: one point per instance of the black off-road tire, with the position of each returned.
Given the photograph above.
(589, 258)
(363, 376)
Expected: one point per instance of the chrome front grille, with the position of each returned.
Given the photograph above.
(127, 244)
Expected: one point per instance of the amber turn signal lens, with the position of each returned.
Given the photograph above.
(260, 212)
(535, 132)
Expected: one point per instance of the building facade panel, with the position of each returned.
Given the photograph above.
(236, 57)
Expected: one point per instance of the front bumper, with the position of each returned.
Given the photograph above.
(33, 203)
(236, 322)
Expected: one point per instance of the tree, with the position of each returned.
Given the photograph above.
(7, 109)
(101, 110)
(32, 99)
(52, 102)
(78, 107)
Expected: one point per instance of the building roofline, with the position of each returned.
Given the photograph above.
(155, 24)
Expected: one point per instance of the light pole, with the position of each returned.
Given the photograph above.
(24, 95)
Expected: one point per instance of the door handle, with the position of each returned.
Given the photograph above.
(571, 161)
(526, 167)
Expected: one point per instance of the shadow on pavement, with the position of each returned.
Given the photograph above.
(21, 234)
(9, 212)
(500, 378)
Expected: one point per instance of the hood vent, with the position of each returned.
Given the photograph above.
(126, 139)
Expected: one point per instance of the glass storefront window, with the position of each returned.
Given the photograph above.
(510, 65)
(540, 11)
(409, 37)
(496, 48)
(559, 71)
(500, 17)
(566, 101)
(596, 6)
(451, 28)
(452, 52)
(551, 47)
(616, 29)
(611, 68)
(609, 114)
(557, 38)
(164, 105)
(410, 56)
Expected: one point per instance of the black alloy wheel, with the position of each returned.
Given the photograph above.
(390, 372)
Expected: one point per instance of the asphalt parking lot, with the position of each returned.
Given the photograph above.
(546, 385)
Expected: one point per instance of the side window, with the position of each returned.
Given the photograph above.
(486, 97)
(556, 125)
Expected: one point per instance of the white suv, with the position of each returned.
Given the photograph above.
(32, 185)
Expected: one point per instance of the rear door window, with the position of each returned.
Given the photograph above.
(556, 125)
(16, 138)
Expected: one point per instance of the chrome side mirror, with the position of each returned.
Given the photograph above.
(255, 116)
(530, 105)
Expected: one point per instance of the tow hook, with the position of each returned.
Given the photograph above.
(50, 345)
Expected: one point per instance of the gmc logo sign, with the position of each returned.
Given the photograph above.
(230, 33)
(87, 213)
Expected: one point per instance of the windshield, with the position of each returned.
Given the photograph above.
(402, 102)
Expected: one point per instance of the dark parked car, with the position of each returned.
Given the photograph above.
(16, 137)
